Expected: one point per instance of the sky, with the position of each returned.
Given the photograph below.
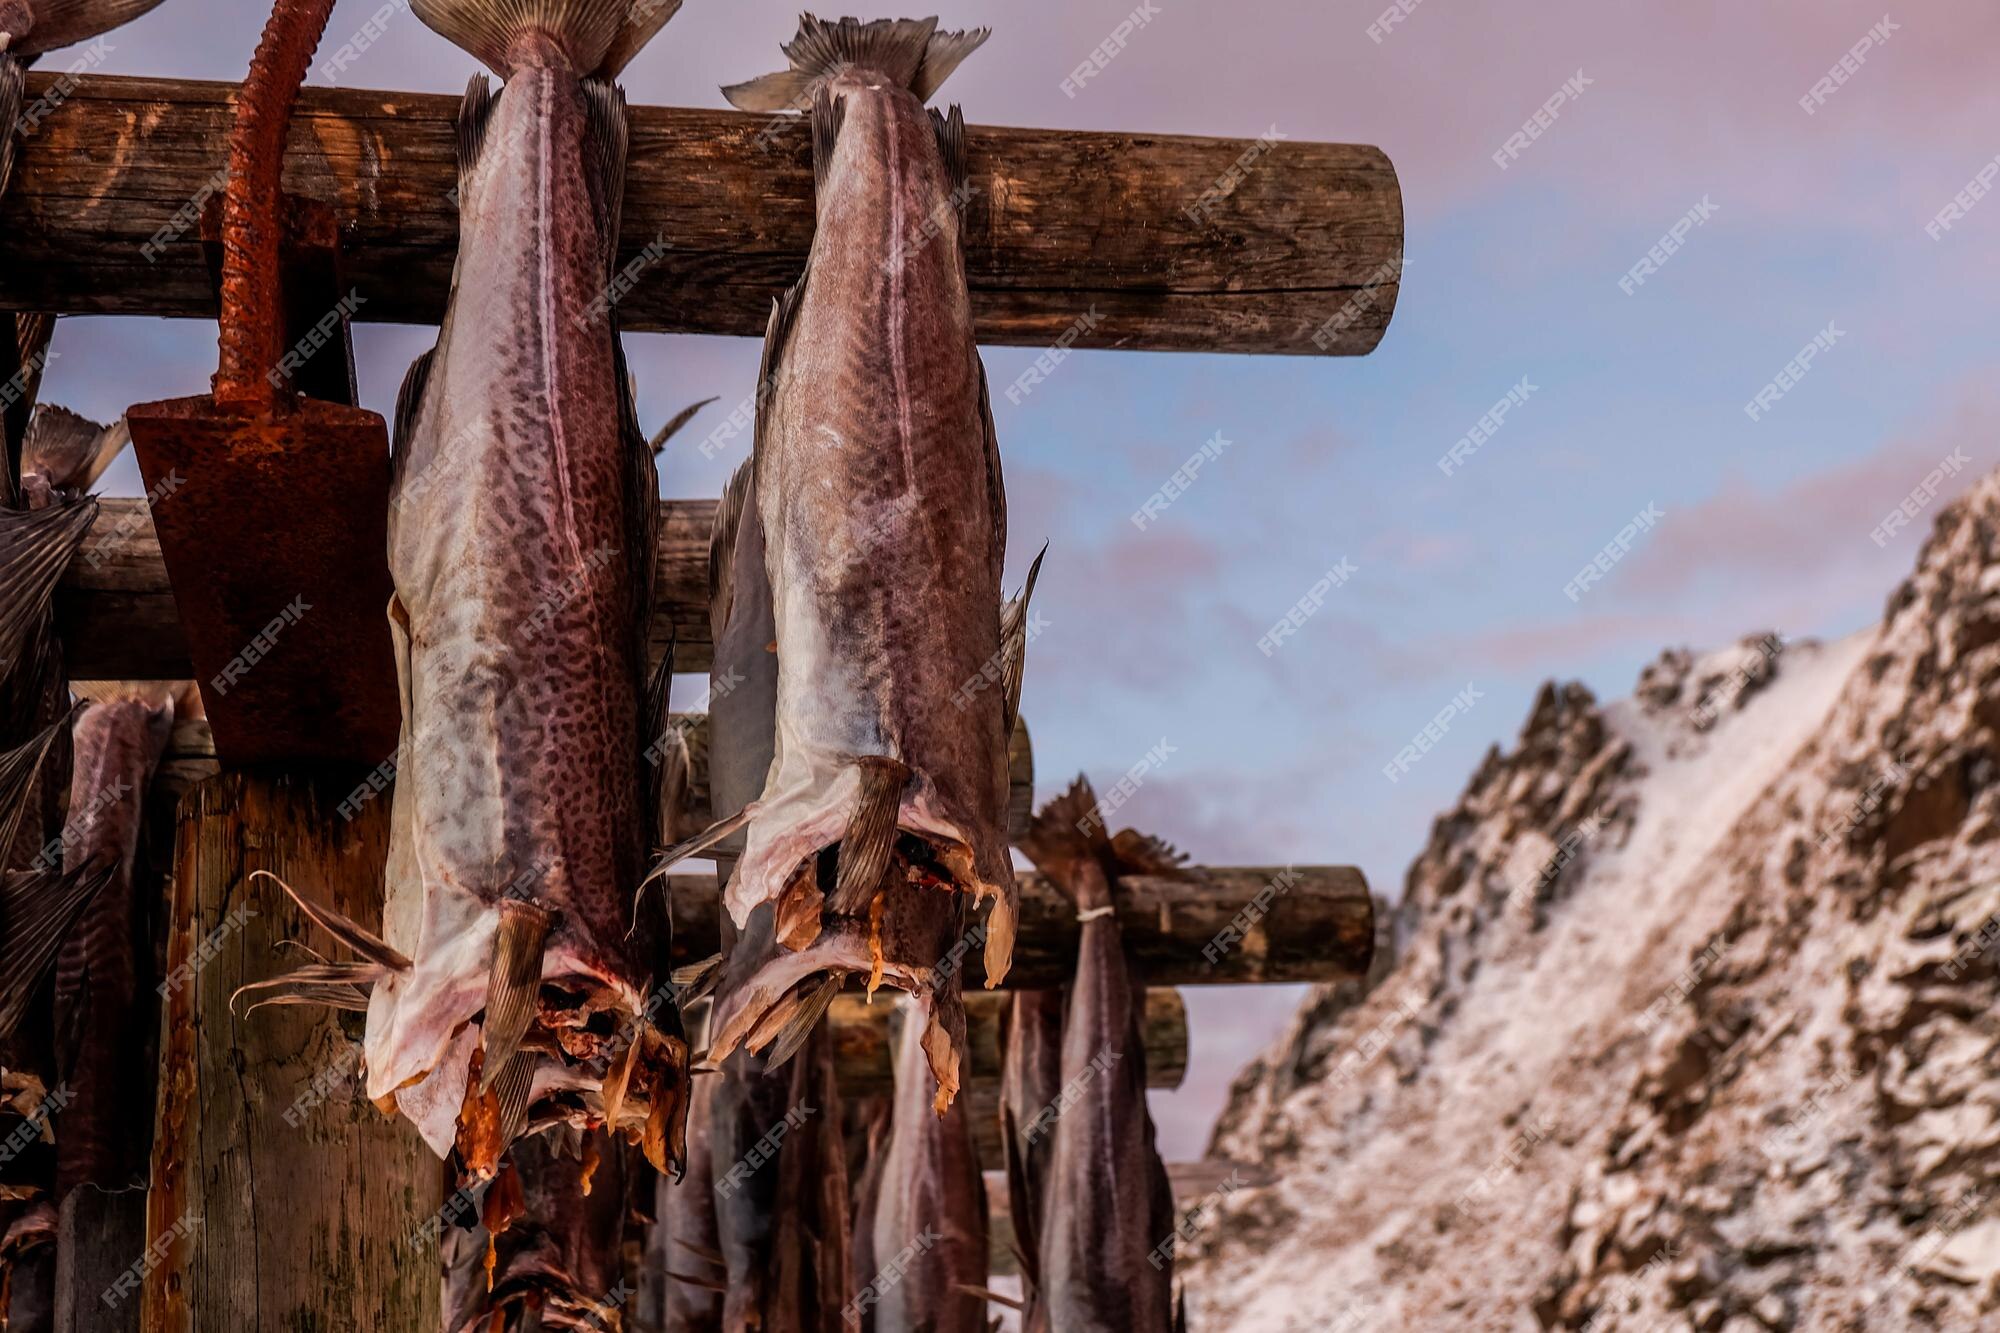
(1814, 223)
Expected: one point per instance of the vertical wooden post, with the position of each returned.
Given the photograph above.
(281, 1198)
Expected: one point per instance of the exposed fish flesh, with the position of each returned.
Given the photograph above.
(1109, 1204)
(882, 818)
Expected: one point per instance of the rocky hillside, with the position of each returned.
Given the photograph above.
(1692, 1020)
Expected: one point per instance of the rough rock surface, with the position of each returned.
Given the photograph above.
(1692, 1023)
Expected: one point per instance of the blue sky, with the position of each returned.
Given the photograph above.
(1638, 398)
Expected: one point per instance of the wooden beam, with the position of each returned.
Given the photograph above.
(190, 757)
(281, 1198)
(1175, 243)
(864, 1048)
(1319, 927)
(1213, 926)
(116, 613)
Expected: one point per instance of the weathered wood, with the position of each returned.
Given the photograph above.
(115, 606)
(1320, 928)
(1220, 245)
(281, 1198)
(1317, 926)
(190, 757)
(99, 1234)
(864, 1046)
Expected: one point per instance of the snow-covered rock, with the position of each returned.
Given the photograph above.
(1691, 1020)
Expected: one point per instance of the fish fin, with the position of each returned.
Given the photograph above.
(729, 518)
(812, 1005)
(18, 768)
(513, 984)
(1139, 853)
(694, 846)
(514, 1089)
(666, 747)
(599, 37)
(1014, 644)
(314, 984)
(68, 449)
(37, 909)
(13, 92)
(610, 136)
(409, 402)
(673, 426)
(1070, 827)
(475, 112)
(945, 52)
(828, 115)
(786, 90)
(777, 334)
(60, 23)
(950, 129)
(36, 547)
(870, 835)
(696, 981)
(354, 935)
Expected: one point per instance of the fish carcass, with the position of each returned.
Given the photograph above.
(1030, 1082)
(1109, 1205)
(882, 819)
(511, 986)
(782, 1225)
(929, 1214)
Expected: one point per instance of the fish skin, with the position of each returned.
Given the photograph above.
(99, 1011)
(932, 1198)
(1109, 1201)
(781, 1227)
(1030, 1082)
(878, 482)
(522, 562)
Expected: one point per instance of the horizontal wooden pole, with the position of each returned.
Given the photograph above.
(1140, 241)
(115, 606)
(864, 1047)
(1211, 926)
(1318, 927)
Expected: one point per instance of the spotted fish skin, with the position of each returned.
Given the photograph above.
(521, 540)
(878, 485)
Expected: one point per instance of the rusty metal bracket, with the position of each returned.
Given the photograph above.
(271, 494)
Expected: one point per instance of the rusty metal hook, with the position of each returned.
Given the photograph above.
(252, 316)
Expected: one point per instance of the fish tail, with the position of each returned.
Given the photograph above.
(910, 52)
(60, 23)
(513, 984)
(871, 832)
(597, 37)
(1067, 841)
(70, 450)
(730, 515)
